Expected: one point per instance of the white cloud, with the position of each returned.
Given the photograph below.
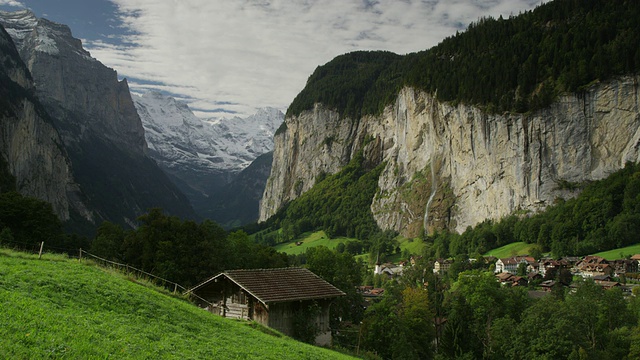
(239, 55)
(12, 3)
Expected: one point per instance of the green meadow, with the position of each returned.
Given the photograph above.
(620, 253)
(62, 308)
(309, 240)
(513, 249)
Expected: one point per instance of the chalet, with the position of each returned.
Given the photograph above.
(441, 266)
(269, 296)
(600, 278)
(547, 285)
(389, 269)
(609, 284)
(503, 277)
(636, 257)
(591, 266)
(534, 276)
(509, 279)
(546, 265)
(624, 266)
(511, 264)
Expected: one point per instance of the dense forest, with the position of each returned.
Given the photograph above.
(517, 64)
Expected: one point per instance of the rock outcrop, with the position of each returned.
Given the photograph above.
(454, 166)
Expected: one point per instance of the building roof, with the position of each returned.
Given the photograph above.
(278, 285)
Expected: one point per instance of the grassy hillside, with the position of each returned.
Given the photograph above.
(59, 308)
(513, 249)
(620, 253)
(320, 238)
(309, 240)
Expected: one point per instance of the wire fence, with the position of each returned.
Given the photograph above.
(127, 269)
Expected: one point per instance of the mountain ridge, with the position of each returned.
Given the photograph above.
(98, 126)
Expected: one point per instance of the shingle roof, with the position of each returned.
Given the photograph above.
(280, 285)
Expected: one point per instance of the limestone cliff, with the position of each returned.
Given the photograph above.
(29, 143)
(452, 166)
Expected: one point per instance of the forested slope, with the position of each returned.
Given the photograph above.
(516, 64)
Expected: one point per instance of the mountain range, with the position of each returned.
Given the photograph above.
(82, 149)
(204, 156)
(506, 117)
(120, 154)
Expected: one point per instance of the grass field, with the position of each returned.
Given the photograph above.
(320, 238)
(513, 249)
(59, 308)
(309, 240)
(620, 253)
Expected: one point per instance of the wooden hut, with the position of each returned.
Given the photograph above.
(269, 296)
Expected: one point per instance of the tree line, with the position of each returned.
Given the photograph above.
(182, 251)
(604, 216)
(517, 64)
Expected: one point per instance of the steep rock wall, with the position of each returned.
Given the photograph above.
(29, 143)
(458, 165)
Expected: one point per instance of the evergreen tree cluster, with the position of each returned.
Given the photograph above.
(605, 216)
(182, 251)
(26, 222)
(517, 64)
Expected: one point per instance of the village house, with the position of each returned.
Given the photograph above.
(546, 265)
(511, 264)
(624, 266)
(441, 266)
(389, 269)
(592, 265)
(509, 279)
(271, 297)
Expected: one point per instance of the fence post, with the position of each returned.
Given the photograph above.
(175, 288)
(40, 253)
(80, 258)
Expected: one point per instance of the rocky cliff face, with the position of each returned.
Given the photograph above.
(29, 143)
(455, 166)
(98, 123)
(83, 96)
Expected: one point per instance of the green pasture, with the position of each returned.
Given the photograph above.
(513, 249)
(58, 308)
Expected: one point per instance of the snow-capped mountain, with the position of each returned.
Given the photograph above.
(203, 156)
(178, 138)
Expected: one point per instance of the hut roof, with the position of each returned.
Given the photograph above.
(278, 285)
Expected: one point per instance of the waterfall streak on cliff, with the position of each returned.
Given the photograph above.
(433, 192)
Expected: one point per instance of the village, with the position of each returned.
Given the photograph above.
(540, 276)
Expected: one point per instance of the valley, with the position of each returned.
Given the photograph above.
(477, 199)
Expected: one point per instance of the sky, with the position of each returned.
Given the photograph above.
(228, 58)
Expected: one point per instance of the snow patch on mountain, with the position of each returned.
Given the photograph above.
(179, 139)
